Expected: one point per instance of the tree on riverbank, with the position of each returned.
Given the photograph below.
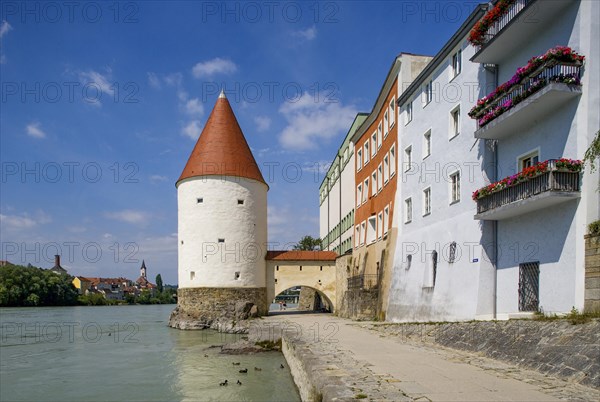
(32, 286)
(308, 243)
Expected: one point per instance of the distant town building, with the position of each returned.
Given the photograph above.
(114, 288)
(57, 269)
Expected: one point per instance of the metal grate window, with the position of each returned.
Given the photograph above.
(529, 286)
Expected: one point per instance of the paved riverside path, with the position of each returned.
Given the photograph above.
(388, 368)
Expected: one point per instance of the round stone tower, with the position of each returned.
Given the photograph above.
(222, 228)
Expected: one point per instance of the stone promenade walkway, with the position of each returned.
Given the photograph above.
(351, 361)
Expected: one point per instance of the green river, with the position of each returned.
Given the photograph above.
(127, 353)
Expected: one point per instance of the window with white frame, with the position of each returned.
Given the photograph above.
(408, 210)
(357, 236)
(407, 158)
(386, 219)
(427, 201)
(366, 155)
(374, 144)
(365, 191)
(455, 187)
(380, 225)
(386, 122)
(529, 159)
(379, 132)
(379, 177)
(386, 169)
(456, 63)
(409, 112)
(391, 111)
(455, 122)
(374, 183)
(427, 93)
(427, 144)
(359, 162)
(363, 229)
(392, 160)
(359, 195)
(371, 229)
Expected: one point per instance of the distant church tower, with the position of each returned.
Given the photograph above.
(222, 228)
(143, 269)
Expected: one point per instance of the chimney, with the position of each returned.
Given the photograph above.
(57, 260)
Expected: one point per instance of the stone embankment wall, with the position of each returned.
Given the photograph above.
(592, 273)
(223, 309)
(555, 347)
(356, 304)
(359, 304)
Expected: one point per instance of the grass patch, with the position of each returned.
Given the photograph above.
(574, 316)
(360, 396)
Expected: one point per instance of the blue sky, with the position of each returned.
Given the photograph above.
(102, 103)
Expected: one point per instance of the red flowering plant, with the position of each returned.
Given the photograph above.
(477, 34)
(572, 165)
(528, 173)
(558, 54)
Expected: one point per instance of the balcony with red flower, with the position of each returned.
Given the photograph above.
(539, 186)
(535, 90)
(501, 30)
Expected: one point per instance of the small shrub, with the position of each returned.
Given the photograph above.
(360, 396)
(594, 228)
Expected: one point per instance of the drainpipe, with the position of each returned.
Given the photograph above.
(339, 158)
(495, 223)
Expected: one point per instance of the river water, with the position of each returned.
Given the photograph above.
(125, 353)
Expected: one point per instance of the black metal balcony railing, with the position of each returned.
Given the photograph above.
(363, 281)
(548, 73)
(503, 21)
(553, 180)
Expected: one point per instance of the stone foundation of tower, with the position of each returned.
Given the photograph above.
(223, 309)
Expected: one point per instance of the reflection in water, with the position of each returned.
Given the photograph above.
(115, 353)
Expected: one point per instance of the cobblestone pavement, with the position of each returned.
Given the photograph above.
(361, 360)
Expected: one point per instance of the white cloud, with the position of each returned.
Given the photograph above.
(34, 130)
(17, 222)
(310, 122)
(263, 123)
(4, 28)
(97, 86)
(213, 67)
(128, 216)
(307, 34)
(154, 81)
(158, 178)
(24, 221)
(76, 229)
(193, 107)
(192, 130)
(158, 245)
(320, 167)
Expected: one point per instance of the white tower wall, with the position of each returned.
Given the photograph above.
(238, 261)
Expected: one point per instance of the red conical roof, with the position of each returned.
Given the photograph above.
(222, 149)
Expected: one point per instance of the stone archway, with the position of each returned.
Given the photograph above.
(315, 273)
